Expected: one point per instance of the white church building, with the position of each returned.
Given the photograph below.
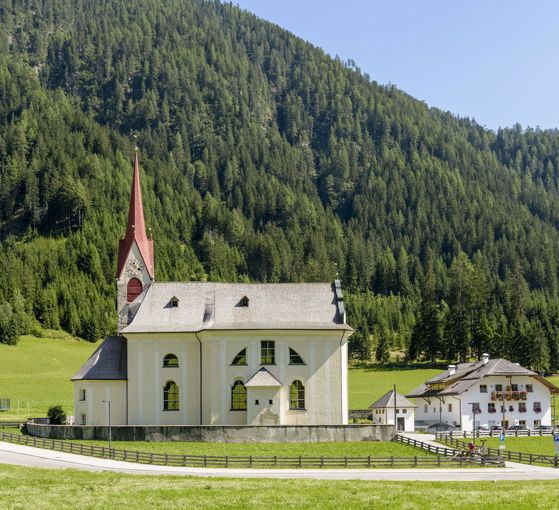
(204, 353)
(493, 392)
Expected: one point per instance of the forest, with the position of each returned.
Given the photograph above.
(263, 159)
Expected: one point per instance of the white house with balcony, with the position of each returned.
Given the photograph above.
(495, 391)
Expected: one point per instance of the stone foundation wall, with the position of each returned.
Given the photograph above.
(218, 433)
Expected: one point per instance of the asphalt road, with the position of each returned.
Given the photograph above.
(36, 457)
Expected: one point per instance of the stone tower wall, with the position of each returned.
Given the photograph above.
(133, 268)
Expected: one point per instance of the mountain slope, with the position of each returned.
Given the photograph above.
(265, 159)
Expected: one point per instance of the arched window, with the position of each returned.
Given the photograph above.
(297, 395)
(241, 358)
(294, 358)
(133, 289)
(171, 396)
(170, 361)
(238, 396)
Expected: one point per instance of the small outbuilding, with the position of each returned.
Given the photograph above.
(383, 412)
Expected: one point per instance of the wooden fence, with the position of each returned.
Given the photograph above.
(497, 433)
(456, 454)
(10, 424)
(164, 459)
(524, 458)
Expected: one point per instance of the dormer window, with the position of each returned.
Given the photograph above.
(174, 302)
(243, 302)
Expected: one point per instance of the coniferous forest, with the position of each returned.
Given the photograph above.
(263, 159)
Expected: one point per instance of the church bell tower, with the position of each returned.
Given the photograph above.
(135, 270)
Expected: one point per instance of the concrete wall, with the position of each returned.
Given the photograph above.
(216, 433)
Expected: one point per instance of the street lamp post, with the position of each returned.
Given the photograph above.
(110, 435)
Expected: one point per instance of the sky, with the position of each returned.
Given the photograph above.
(496, 61)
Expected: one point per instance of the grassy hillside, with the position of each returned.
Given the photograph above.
(366, 385)
(38, 371)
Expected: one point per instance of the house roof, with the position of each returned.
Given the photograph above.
(215, 306)
(108, 362)
(136, 228)
(467, 374)
(387, 400)
(262, 378)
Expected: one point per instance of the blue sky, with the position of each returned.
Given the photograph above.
(495, 61)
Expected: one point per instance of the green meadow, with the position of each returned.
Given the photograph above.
(23, 488)
(38, 370)
(538, 445)
(366, 385)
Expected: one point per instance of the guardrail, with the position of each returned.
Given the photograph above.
(164, 459)
(456, 454)
(524, 458)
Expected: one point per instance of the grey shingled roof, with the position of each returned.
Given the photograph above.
(387, 400)
(261, 379)
(108, 362)
(211, 305)
(467, 374)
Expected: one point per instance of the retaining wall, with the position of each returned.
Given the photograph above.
(218, 433)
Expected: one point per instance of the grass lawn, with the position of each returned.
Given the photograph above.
(554, 379)
(38, 371)
(366, 385)
(540, 445)
(23, 488)
(341, 449)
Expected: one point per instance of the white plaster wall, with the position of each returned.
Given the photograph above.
(540, 394)
(385, 416)
(147, 377)
(257, 414)
(432, 413)
(323, 376)
(97, 412)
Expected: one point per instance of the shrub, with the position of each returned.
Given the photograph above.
(56, 415)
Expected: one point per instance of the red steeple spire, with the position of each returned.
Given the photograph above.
(136, 228)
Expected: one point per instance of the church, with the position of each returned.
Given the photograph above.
(208, 353)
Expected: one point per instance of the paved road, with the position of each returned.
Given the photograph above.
(36, 457)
